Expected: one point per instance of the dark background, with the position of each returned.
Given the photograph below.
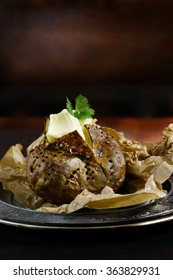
(118, 53)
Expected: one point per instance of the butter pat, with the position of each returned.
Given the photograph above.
(61, 124)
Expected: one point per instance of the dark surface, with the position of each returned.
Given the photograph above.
(151, 242)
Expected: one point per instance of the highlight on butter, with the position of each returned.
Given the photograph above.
(63, 123)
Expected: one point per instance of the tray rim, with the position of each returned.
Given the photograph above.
(87, 219)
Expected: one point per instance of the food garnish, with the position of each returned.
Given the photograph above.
(82, 108)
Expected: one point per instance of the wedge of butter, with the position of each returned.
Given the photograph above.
(64, 123)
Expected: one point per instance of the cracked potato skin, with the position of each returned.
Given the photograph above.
(60, 170)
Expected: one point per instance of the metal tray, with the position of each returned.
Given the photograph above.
(151, 212)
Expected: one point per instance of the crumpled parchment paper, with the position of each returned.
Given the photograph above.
(148, 167)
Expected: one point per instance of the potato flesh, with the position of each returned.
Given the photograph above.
(62, 169)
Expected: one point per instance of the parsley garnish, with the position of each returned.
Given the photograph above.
(82, 108)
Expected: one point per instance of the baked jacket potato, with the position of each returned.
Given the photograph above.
(60, 170)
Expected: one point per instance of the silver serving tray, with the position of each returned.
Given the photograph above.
(151, 212)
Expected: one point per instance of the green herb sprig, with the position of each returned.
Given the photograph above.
(82, 108)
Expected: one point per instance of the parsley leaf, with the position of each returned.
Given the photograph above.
(82, 108)
(69, 107)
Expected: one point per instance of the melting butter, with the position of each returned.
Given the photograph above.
(64, 123)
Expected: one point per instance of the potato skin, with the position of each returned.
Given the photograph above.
(60, 170)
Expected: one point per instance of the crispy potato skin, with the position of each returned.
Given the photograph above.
(60, 170)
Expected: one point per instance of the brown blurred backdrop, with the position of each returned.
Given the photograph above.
(118, 53)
